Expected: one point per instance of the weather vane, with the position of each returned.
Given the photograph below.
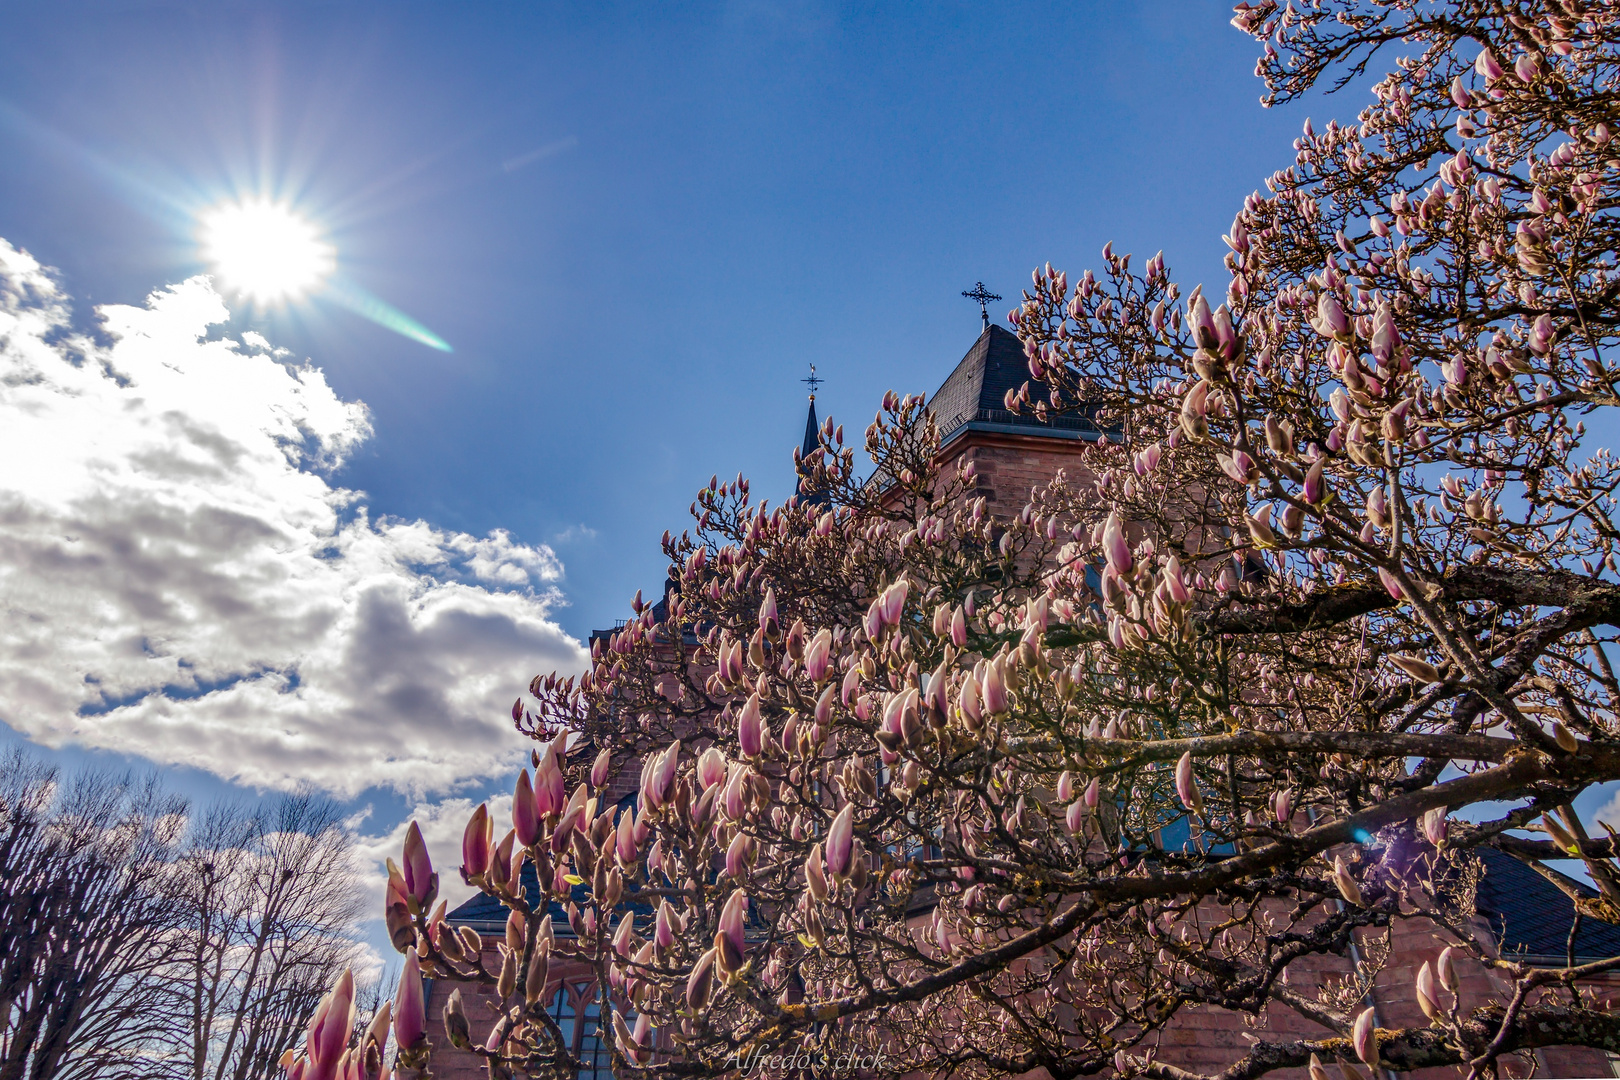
(983, 296)
(812, 382)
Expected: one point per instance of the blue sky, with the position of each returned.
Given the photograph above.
(635, 225)
(696, 202)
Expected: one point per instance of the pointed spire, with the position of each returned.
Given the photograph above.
(812, 430)
(812, 435)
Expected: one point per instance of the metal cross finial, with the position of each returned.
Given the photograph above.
(983, 296)
(812, 382)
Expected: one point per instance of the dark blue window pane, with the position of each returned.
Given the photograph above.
(1174, 836)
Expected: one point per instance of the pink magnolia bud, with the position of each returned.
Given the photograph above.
(1226, 339)
(1093, 793)
(739, 855)
(550, 789)
(1488, 66)
(525, 812)
(421, 883)
(1428, 998)
(1174, 586)
(1330, 317)
(815, 878)
(662, 775)
(873, 623)
(630, 1044)
(396, 912)
(733, 800)
(366, 1057)
(663, 925)
(624, 936)
(476, 844)
(1282, 806)
(699, 983)
(1196, 403)
(994, 689)
(1434, 826)
(711, 767)
(1376, 509)
(851, 686)
(1238, 465)
(1565, 738)
(1364, 1038)
(410, 1009)
(1345, 883)
(1186, 790)
(1201, 323)
(1039, 613)
(1260, 528)
(601, 768)
(840, 842)
(1391, 584)
(329, 1029)
(1150, 458)
(625, 847)
(1115, 547)
(967, 700)
(500, 864)
(823, 713)
(1384, 337)
(1446, 968)
(767, 612)
(937, 697)
(751, 728)
(1317, 1070)
(1459, 93)
(1541, 334)
(959, 635)
(1314, 490)
(817, 658)
(729, 939)
(893, 601)
(1065, 787)
(1075, 817)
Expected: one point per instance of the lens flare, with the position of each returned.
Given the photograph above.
(264, 250)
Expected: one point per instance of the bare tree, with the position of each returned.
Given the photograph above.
(270, 898)
(83, 903)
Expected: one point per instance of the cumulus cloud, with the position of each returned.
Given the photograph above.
(180, 579)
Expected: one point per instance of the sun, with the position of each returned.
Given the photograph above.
(265, 250)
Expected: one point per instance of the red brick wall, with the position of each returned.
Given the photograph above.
(1008, 466)
(451, 1064)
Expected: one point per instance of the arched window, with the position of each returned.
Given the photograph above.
(577, 1012)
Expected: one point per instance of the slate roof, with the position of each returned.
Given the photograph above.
(1533, 917)
(973, 397)
(486, 914)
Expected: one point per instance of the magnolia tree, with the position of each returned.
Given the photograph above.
(907, 783)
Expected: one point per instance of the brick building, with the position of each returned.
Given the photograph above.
(1521, 915)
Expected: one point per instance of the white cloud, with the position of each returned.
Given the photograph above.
(179, 580)
(575, 533)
